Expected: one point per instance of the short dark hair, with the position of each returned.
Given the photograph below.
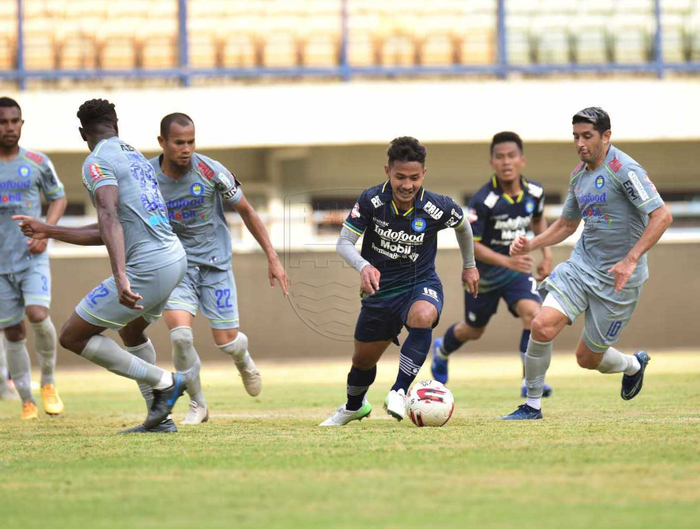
(406, 149)
(596, 116)
(97, 112)
(175, 117)
(507, 137)
(8, 102)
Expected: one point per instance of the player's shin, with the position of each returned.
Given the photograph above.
(537, 360)
(45, 342)
(147, 353)
(616, 362)
(412, 356)
(20, 368)
(359, 381)
(186, 361)
(3, 364)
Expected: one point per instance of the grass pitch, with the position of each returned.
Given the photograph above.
(595, 461)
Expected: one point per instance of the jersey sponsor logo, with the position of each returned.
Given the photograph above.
(396, 248)
(529, 205)
(196, 189)
(10, 198)
(599, 182)
(184, 203)
(355, 213)
(376, 201)
(615, 165)
(629, 188)
(399, 236)
(185, 214)
(126, 148)
(515, 223)
(591, 198)
(455, 218)
(650, 184)
(155, 220)
(226, 186)
(491, 200)
(638, 185)
(595, 215)
(38, 158)
(419, 224)
(535, 190)
(95, 172)
(380, 222)
(432, 210)
(395, 254)
(206, 171)
(13, 184)
(24, 171)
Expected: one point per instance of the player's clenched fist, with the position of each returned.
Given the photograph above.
(520, 246)
(370, 279)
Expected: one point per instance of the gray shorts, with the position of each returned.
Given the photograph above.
(101, 307)
(211, 290)
(31, 286)
(607, 312)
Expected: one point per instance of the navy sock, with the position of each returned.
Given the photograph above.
(359, 381)
(450, 343)
(413, 353)
(524, 338)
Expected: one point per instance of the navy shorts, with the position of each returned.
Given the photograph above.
(478, 311)
(383, 319)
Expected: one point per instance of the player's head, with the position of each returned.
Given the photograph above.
(10, 123)
(405, 167)
(592, 134)
(507, 156)
(177, 138)
(98, 117)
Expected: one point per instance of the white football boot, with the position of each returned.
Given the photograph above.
(395, 404)
(252, 381)
(197, 414)
(341, 416)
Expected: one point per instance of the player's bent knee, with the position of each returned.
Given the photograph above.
(182, 338)
(542, 331)
(15, 333)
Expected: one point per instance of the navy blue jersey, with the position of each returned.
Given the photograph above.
(401, 244)
(497, 219)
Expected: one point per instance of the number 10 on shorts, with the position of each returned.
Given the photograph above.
(614, 329)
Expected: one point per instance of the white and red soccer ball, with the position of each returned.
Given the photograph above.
(429, 403)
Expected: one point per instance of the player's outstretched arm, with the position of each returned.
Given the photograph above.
(659, 220)
(255, 226)
(369, 275)
(53, 215)
(106, 201)
(41, 231)
(556, 233)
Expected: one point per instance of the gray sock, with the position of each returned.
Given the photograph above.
(20, 369)
(147, 353)
(537, 360)
(186, 361)
(105, 352)
(45, 342)
(616, 362)
(238, 350)
(3, 363)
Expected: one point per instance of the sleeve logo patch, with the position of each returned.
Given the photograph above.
(355, 213)
(207, 171)
(376, 202)
(615, 165)
(638, 185)
(95, 172)
(35, 157)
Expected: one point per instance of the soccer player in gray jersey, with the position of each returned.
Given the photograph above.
(25, 275)
(623, 216)
(147, 261)
(195, 188)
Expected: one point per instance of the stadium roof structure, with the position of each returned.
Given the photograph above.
(367, 113)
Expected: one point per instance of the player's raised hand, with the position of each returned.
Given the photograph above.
(470, 277)
(520, 246)
(521, 263)
(370, 279)
(622, 271)
(126, 296)
(275, 270)
(31, 227)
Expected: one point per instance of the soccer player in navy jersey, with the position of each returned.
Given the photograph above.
(506, 207)
(400, 221)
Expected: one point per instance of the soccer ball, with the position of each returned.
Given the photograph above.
(429, 403)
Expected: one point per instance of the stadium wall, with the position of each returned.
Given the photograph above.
(318, 319)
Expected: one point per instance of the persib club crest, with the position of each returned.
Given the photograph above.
(529, 205)
(24, 171)
(599, 182)
(196, 189)
(418, 225)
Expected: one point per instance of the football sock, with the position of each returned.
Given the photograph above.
(105, 352)
(45, 343)
(359, 381)
(238, 350)
(147, 353)
(20, 368)
(616, 362)
(413, 353)
(187, 362)
(450, 343)
(3, 363)
(537, 360)
(524, 339)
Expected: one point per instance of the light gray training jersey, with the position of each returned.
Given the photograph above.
(22, 180)
(149, 239)
(195, 209)
(614, 202)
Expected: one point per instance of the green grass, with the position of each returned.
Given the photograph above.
(595, 461)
